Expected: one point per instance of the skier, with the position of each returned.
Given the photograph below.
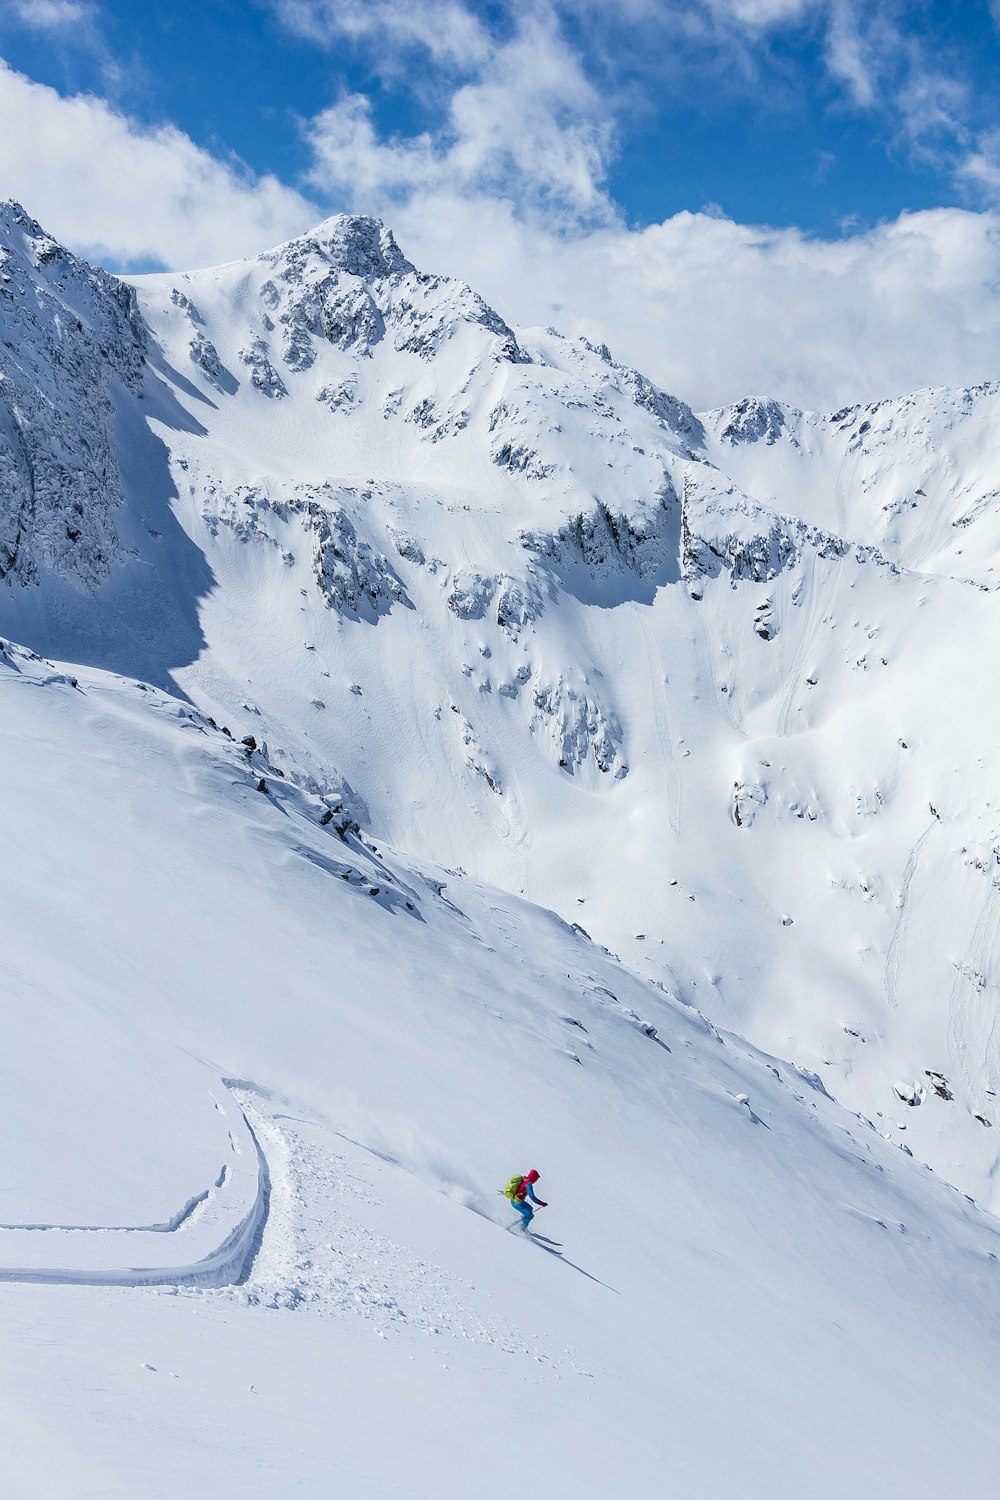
(519, 1190)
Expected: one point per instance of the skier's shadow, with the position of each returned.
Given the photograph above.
(550, 1247)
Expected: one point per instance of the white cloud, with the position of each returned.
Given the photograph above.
(446, 29)
(52, 15)
(714, 310)
(518, 114)
(856, 56)
(761, 13)
(982, 165)
(508, 192)
(111, 188)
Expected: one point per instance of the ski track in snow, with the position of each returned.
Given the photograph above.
(711, 654)
(792, 690)
(661, 722)
(893, 958)
(191, 1210)
(223, 1262)
(304, 1245)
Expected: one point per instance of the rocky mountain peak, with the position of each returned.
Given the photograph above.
(357, 244)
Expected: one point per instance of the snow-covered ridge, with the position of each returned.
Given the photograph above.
(915, 475)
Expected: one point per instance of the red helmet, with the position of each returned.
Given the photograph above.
(532, 1176)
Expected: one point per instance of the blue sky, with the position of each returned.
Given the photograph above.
(536, 148)
(748, 120)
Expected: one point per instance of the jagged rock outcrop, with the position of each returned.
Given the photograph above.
(605, 542)
(723, 531)
(263, 376)
(754, 421)
(578, 728)
(470, 595)
(350, 573)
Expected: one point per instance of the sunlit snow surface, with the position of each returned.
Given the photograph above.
(716, 690)
(734, 1248)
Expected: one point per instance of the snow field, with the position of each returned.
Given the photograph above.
(736, 1250)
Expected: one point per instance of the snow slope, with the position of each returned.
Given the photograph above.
(752, 1292)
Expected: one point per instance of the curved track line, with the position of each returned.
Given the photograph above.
(898, 939)
(227, 1264)
(180, 1217)
(662, 722)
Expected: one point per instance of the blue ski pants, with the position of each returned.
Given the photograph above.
(526, 1211)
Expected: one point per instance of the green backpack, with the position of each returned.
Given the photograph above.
(513, 1187)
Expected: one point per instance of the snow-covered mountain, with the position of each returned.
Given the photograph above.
(360, 617)
(716, 688)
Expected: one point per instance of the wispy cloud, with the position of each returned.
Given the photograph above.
(52, 15)
(885, 60)
(982, 164)
(522, 96)
(517, 114)
(449, 32)
(71, 31)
